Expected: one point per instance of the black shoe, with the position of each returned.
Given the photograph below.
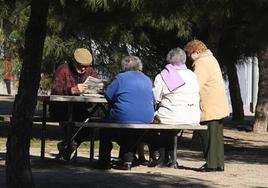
(156, 163)
(220, 169)
(144, 163)
(206, 169)
(170, 164)
(137, 162)
(67, 152)
(123, 166)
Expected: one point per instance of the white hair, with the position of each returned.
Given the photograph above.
(131, 63)
(176, 56)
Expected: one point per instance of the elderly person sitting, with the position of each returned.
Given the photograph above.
(130, 97)
(68, 79)
(176, 93)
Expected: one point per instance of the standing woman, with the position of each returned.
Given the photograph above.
(213, 103)
(7, 72)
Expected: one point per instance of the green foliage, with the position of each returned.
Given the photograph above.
(148, 29)
(45, 84)
(111, 28)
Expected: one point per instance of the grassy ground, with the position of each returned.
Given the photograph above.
(51, 145)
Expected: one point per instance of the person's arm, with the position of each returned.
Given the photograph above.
(78, 89)
(158, 88)
(201, 71)
(59, 85)
(111, 91)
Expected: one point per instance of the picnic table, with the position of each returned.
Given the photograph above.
(98, 102)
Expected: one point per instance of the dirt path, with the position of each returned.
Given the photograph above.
(245, 156)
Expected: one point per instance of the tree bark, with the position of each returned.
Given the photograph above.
(261, 113)
(235, 93)
(18, 168)
(229, 54)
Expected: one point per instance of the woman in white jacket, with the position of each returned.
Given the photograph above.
(176, 93)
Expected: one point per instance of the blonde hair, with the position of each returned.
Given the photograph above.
(195, 46)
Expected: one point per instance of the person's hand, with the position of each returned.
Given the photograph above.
(78, 89)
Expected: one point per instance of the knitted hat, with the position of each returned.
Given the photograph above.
(83, 56)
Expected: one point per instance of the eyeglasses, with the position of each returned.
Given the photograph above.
(79, 66)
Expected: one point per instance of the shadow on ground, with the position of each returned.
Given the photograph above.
(52, 174)
(54, 132)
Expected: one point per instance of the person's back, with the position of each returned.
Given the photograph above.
(213, 97)
(176, 93)
(180, 106)
(131, 97)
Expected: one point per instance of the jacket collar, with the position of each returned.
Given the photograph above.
(202, 55)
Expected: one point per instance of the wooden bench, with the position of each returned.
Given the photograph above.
(177, 127)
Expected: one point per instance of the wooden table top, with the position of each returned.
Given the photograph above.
(67, 98)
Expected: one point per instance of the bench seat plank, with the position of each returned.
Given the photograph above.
(142, 126)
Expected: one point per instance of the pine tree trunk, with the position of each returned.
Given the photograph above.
(235, 94)
(261, 113)
(18, 168)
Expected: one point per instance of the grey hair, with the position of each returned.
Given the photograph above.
(131, 63)
(176, 56)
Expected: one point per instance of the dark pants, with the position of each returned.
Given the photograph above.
(213, 144)
(82, 135)
(8, 86)
(161, 141)
(59, 112)
(126, 138)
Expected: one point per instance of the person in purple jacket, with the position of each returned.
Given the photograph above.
(131, 99)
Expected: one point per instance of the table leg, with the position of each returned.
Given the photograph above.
(174, 164)
(92, 139)
(95, 109)
(105, 111)
(69, 126)
(43, 132)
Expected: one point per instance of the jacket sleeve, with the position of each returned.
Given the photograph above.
(59, 83)
(158, 88)
(202, 73)
(111, 91)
